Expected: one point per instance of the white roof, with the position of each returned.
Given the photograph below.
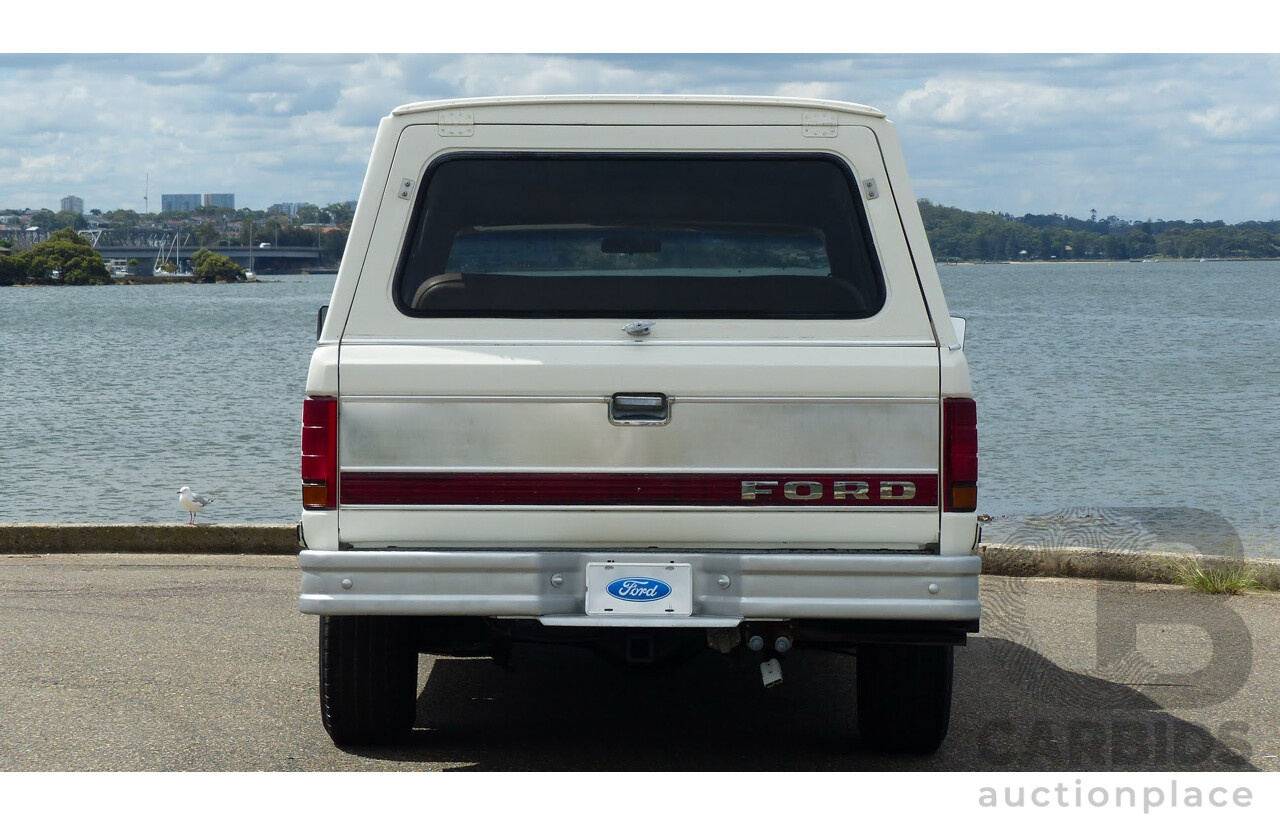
(694, 100)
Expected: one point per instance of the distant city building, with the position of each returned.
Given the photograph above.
(179, 203)
(227, 201)
(73, 204)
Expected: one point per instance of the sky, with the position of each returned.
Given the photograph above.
(1136, 135)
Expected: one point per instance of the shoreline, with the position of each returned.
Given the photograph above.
(152, 280)
(36, 540)
(1111, 261)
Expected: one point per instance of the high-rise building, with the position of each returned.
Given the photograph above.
(73, 204)
(179, 203)
(228, 201)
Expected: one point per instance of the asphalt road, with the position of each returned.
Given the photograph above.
(203, 663)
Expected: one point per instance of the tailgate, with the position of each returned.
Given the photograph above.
(639, 446)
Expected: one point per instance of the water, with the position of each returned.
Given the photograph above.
(1131, 386)
(116, 396)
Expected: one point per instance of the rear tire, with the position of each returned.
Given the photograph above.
(368, 679)
(904, 696)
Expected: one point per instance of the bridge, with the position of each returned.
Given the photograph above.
(275, 258)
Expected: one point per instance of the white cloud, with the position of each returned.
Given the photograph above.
(977, 104)
(1268, 204)
(1126, 134)
(1236, 121)
(818, 90)
(482, 75)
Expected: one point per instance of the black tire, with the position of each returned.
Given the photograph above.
(904, 696)
(368, 679)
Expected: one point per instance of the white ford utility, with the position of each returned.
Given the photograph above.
(651, 375)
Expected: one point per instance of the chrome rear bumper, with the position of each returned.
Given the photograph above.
(550, 585)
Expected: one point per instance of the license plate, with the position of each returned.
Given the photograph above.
(639, 589)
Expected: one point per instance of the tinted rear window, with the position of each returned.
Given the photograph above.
(627, 236)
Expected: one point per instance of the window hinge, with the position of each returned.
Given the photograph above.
(457, 124)
(818, 124)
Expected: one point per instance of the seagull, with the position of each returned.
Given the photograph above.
(192, 503)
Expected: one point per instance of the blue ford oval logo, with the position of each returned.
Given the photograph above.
(639, 590)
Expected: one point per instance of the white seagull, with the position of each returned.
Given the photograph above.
(192, 503)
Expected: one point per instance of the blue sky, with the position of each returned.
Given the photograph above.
(1134, 135)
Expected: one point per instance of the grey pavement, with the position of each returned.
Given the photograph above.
(203, 663)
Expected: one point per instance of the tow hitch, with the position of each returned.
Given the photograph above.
(770, 669)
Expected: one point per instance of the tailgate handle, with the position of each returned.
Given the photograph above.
(639, 408)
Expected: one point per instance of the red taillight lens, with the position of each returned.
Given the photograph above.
(320, 453)
(959, 455)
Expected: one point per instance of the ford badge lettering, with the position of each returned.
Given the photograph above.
(639, 590)
(888, 490)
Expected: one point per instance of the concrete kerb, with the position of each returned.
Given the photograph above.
(281, 539)
(178, 539)
(1113, 565)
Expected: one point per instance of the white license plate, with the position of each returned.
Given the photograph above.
(639, 589)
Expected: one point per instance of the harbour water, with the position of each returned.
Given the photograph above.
(116, 396)
(1134, 404)
(1143, 394)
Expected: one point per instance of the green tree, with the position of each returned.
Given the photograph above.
(294, 236)
(308, 213)
(71, 220)
(210, 267)
(272, 230)
(45, 220)
(1140, 243)
(333, 243)
(13, 269)
(1114, 247)
(340, 214)
(70, 255)
(207, 233)
(123, 218)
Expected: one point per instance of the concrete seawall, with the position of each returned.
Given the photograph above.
(1113, 565)
(234, 539)
(281, 539)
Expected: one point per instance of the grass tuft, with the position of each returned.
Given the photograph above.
(1230, 579)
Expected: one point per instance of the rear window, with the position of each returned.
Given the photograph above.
(627, 236)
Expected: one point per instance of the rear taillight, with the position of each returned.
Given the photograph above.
(320, 453)
(959, 455)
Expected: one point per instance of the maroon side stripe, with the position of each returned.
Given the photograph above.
(636, 489)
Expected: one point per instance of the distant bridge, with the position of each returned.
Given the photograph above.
(275, 257)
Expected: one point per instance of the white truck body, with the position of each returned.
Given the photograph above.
(562, 382)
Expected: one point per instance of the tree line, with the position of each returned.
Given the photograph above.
(954, 234)
(335, 214)
(210, 226)
(67, 258)
(959, 235)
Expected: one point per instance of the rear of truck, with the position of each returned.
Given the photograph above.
(651, 375)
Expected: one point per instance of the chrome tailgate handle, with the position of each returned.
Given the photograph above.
(639, 408)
